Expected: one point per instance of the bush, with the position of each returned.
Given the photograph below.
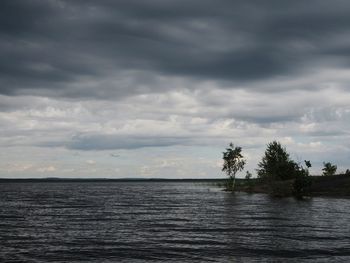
(302, 182)
(281, 188)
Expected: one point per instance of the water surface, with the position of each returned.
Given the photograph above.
(166, 222)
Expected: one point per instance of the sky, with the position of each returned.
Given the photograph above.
(159, 88)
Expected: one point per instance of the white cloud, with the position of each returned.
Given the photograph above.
(46, 169)
(195, 119)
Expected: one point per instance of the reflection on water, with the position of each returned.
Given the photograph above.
(180, 222)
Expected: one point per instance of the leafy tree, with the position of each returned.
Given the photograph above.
(329, 168)
(308, 164)
(233, 163)
(248, 175)
(276, 164)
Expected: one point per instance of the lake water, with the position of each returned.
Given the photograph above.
(166, 222)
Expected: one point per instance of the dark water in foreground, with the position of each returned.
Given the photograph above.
(179, 222)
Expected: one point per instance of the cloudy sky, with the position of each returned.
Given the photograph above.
(158, 88)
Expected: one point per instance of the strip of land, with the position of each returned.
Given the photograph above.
(335, 185)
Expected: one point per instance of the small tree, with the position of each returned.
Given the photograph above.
(249, 181)
(329, 168)
(308, 164)
(233, 163)
(248, 175)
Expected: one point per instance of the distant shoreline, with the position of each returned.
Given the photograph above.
(324, 186)
(62, 180)
(327, 186)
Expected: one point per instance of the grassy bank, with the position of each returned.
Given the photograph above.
(336, 185)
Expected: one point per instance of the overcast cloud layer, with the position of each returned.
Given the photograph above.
(158, 88)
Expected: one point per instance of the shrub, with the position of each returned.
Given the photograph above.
(302, 182)
(281, 188)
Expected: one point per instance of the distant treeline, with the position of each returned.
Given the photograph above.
(116, 180)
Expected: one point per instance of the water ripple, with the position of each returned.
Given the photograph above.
(166, 222)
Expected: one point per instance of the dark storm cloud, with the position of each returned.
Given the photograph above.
(116, 48)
